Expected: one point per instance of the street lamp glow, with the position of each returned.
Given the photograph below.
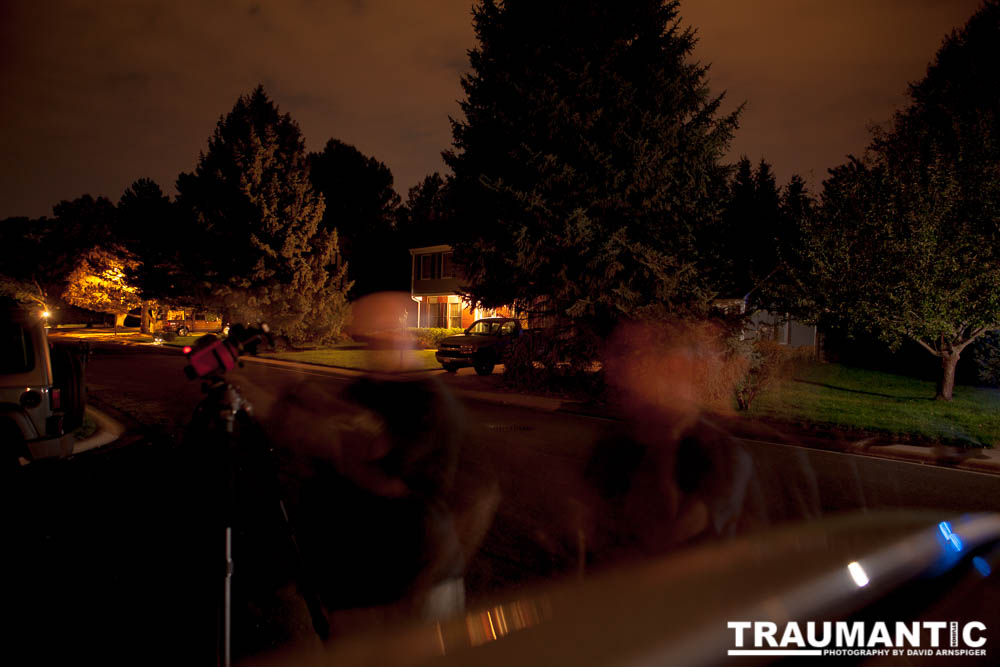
(46, 313)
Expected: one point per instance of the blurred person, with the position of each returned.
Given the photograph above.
(369, 479)
(673, 474)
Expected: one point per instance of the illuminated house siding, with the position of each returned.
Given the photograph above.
(435, 287)
(765, 325)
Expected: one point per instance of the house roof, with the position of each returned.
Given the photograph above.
(430, 248)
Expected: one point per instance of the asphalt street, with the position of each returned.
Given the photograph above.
(106, 560)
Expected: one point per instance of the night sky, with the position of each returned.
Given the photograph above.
(97, 93)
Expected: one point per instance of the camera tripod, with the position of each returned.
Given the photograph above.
(223, 428)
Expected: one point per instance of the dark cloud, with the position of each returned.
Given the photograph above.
(97, 94)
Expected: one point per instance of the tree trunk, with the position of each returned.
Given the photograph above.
(144, 326)
(946, 385)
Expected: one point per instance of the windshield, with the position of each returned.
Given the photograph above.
(16, 351)
(489, 328)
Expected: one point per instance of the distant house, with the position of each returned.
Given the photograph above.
(765, 325)
(435, 287)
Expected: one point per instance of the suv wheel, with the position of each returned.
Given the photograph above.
(183, 331)
(68, 367)
(451, 368)
(484, 368)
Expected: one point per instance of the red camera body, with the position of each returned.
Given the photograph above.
(214, 358)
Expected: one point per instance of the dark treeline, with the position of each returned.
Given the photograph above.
(260, 229)
(588, 189)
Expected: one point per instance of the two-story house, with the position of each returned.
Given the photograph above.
(434, 286)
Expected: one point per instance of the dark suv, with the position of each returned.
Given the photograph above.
(481, 346)
(36, 407)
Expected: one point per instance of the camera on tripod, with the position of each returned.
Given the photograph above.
(212, 356)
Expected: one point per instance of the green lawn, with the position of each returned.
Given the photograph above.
(360, 357)
(356, 356)
(179, 341)
(853, 398)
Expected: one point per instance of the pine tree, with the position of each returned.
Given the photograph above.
(255, 241)
(361, 205)
(747, 236)
(587, 162)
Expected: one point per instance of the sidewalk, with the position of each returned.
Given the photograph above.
(108, 430)
(488, 389)
(867, 444)
(124, 336)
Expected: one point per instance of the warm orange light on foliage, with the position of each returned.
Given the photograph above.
(99, 283)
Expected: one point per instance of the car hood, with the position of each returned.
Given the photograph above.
(476, 341)
(675, 610)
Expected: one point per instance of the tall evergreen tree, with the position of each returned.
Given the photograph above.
(788, 290)
(25, 270)
(361, 205)
(746, 240)
(425, 217)
(256, 243)
(587, 161)
(148, 227)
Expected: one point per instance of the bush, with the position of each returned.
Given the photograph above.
(986, 357)
(167, 335)
(430, 338)
(689, 366)
(522, 365)
(675, 366)
(765, 361)
(553, 360)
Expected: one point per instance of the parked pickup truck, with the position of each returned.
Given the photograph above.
(481, 346)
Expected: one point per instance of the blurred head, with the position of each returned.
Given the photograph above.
(672, 370)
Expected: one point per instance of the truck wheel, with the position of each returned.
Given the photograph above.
(183, 331)
(451, 368)
(485, 368)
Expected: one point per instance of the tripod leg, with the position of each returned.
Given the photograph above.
(227, 602)
(306, 588)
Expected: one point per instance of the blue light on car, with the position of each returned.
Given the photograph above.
(949, 536)
(981, 566)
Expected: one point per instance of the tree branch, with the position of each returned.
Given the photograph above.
(927, 347)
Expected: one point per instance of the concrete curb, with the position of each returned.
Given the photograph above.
(985, 461)
(545, 403)
(108, 430)
(303, 365)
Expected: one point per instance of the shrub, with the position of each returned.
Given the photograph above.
(544, 361)
(430, 338)
(693, 365)
(986, 357)
(675, 366)
(765, 362)
(523, 367)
